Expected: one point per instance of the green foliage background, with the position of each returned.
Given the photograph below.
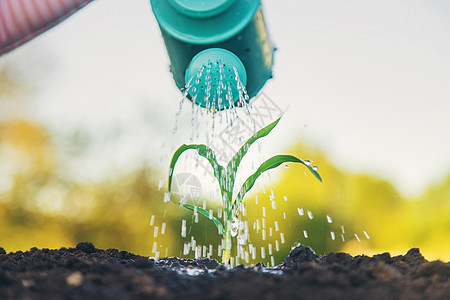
(41, 207)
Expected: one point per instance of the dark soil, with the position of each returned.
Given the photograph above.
(85, 272)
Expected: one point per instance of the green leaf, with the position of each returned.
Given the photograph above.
(206, 214)
(202, 151)
(236, 160)
(271, 163)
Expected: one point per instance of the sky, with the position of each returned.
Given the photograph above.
(367, 82)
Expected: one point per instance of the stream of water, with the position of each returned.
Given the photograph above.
(258, 237)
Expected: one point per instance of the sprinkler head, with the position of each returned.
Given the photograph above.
(190, 27)
(216, 79)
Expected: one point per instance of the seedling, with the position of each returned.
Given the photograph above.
(226, 179)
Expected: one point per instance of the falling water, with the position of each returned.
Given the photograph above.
(207, 125)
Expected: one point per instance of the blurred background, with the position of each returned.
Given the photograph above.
(87, 112)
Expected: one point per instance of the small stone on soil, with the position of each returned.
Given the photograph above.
(75, 279)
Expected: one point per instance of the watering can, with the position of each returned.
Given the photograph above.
(219, 50)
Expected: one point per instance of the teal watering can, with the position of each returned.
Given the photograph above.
(218, 49)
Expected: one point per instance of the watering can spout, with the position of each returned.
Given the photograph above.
(219, 50)
(216, 79)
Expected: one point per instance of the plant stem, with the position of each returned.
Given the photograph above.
(226, 251)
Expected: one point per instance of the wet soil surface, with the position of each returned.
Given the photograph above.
(85, 272)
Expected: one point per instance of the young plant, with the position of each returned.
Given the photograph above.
(226, 178)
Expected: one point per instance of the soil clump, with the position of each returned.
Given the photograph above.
(85, 272)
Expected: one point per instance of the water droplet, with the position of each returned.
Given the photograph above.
(198, 252)
(357, 237)
(315, 168)
(333, 237)
(163, 228)
(285, 198)
(166, 197)
(193, 243)
(234, 227)
(183, 228)
(186, 248)
(263, 252)
(160, 184)
(343, 238)
(305, 234)
(276, 226)
(243, 209)
(308, 162)
(242, 239)
(342, 228)
(367, 235)
(329, 219)
(282, 237)
(274, 205)
(277, 245)
(310, 215)
(155, 231)
(152, 219)
(300, 211)
(286, 166)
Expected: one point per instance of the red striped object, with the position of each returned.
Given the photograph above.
(22, 20)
